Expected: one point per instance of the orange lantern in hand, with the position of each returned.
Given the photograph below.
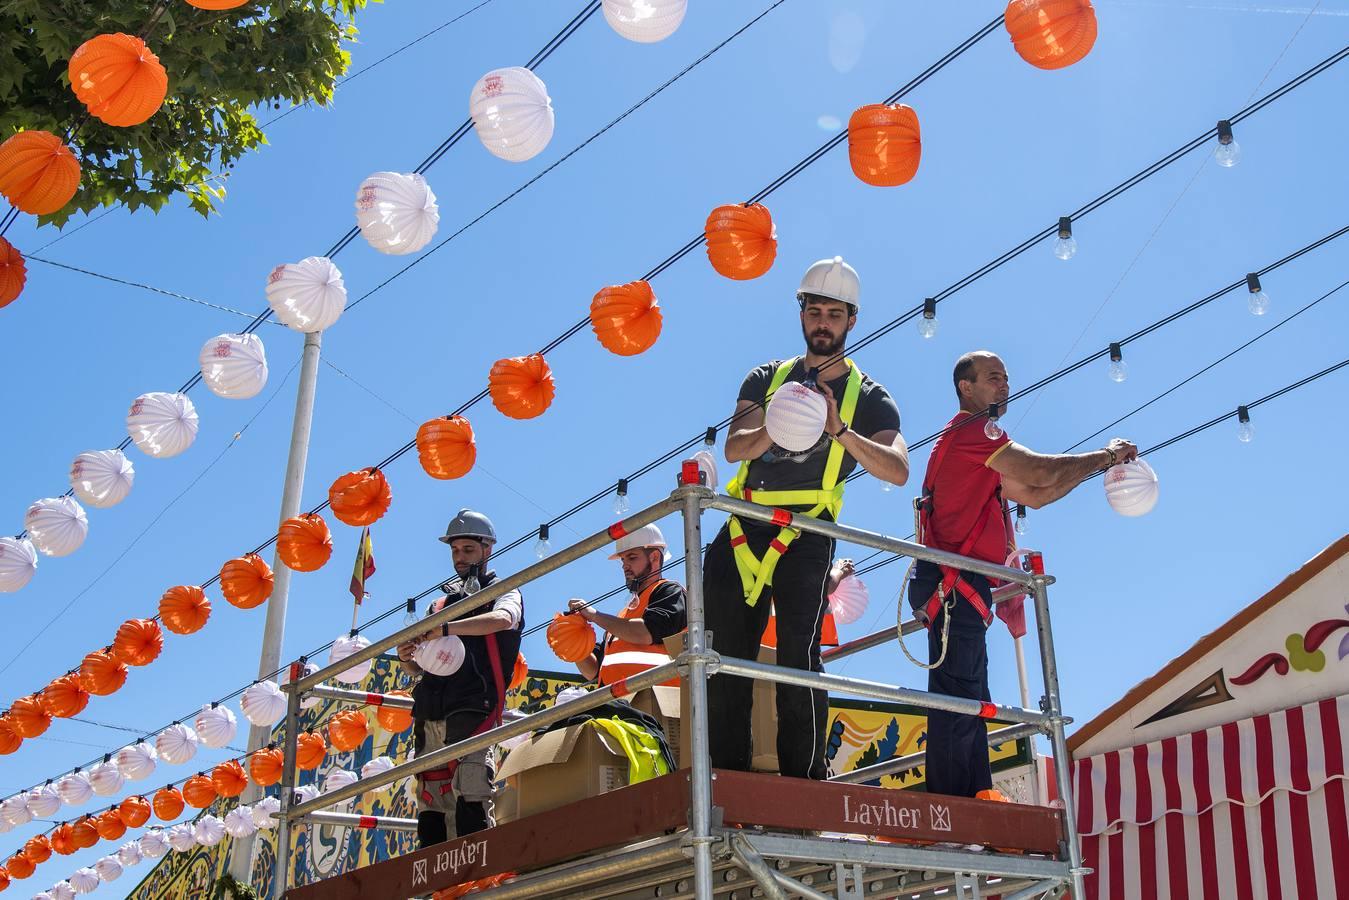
(571, 637)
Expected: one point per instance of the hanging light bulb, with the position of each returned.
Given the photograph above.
(621, 504)
(1019, 526)
(992, 430)
(886, 487)
(927, 325)
(1245, 430)
(543, 547)
(471, 583)
(1065, 247)
(1258, 301)
(1119, 369)
(710, 438)
(1228, 152)
(410, 617)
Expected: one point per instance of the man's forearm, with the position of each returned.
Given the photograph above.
(747, 443)
(886, 462)
(485, 624)
(632, 630)
(1074, 471)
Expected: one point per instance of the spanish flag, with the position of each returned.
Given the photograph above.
(365, 566)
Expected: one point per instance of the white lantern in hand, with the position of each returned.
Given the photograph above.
(102, 478)
(56, 525)
(1131, 488)
(440, 655)
(397, 213)
(645, 21)
(512, 113)
(849, 600)
(162, 424)
(308, 295)
(18, 563)
(795, 417)
(234, 366)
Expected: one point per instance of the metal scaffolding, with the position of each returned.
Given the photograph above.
(723, 820)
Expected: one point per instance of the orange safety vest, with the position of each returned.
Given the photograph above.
(623, 659)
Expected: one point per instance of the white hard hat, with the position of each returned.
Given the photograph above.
(646, 536)
(833, 279)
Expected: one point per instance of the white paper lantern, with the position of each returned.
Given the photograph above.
(234, 366)
(75, 789)
(56, 525)
(512, 113)
(42, 895)
(795, 417)
(136, 761)
(44, 802)
(108, 869)
(106, 779)
(566, 695)
(153, 844)
(262, 812)
(397, 213)
(310, 701)
(62, 890)
(180, 837)
(176, 744)
(377, 766)
(440, 655)
(343, 647)
(308, 295)
(208, 831)
(162, 424)
(18, 563)
(338, 779)
(84, 881)
(5, 827)
(304, 793)
(849, 600)
(239, 822)
(263, 703)
(645, 21)
(102, 478)
(1131, 488)
(15, 811)
(708, 466)
(216, 726)
(129, 854)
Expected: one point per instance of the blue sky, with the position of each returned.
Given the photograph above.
(1007, 149)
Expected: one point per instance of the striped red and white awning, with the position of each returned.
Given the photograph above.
(1251, 809)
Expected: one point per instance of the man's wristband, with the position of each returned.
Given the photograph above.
(840, 433)
(1113, 457)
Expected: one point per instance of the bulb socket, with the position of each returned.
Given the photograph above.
(1253, 282)
(622, 487)
(929, 308)
(1065, 227)
(1224, 132)
(1116, 354)
(1243, 415)
(710, 437)
(543, 532)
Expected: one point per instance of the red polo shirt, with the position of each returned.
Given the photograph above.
(962, 486)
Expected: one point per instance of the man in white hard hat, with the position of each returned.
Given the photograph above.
(634, 642)
(750, 563)
(971, 473)
(456, 800)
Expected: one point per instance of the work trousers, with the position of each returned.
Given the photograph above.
(457, 801)
(957, 745)
(797, 595)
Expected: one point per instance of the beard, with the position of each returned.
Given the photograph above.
(822, 343)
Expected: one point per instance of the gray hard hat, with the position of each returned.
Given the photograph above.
(470, 524)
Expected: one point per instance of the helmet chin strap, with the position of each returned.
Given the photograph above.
(635, 584)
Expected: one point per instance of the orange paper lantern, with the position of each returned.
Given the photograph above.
(304, 542)
(1051, 34)
(184, 609)
(13, 273)
(64, 697)
(571, 637)
(347, 729)
(521, 386)
(445, 447)
(247, 581)
(392, 719)
(121, 81)
(28, 718)
(38, 848)
(360, 498)
(135, 811)
(741, 240)
(884, 145)
(626, 318)
(19, 866)
(217, 4)
(519, 672)
(310, 750)
(10, 739)
(168, 804)
(138, 642)
(229, 779)
(265, 766)
(63, 839)
(198, 791)
(110, 825)
(84, 833)
(38, 173)
(4, 878)
(102, 674)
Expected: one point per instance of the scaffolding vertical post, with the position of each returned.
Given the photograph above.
(700, 826)
(1053, 707)
(281, 878)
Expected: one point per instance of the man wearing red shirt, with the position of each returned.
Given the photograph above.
(970, 476)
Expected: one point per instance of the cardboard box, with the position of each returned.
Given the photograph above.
(663, 703)
(763, 719)
(562, 766)
(505, 804)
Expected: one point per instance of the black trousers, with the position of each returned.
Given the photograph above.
(957, 746)
(799, 598)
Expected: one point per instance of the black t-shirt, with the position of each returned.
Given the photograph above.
(782, 470)
(664, 616)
